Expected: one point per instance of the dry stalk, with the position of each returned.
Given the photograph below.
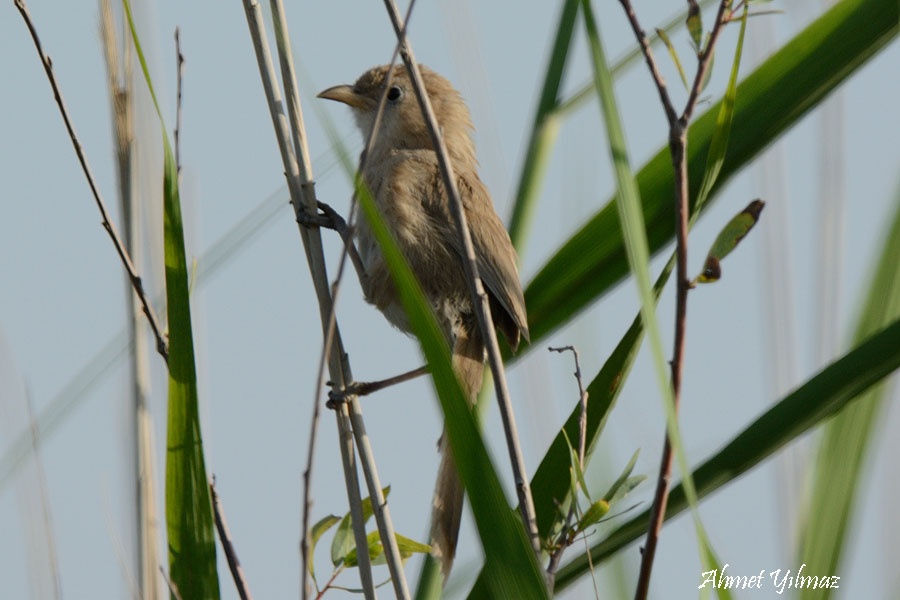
(380, 508)
(119, 69)
(303, 199)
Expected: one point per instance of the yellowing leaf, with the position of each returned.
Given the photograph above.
(695, 24)
(728, 239)
(665, 39)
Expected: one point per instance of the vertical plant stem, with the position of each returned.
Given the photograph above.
(303, 198)
(119, 70)
(370, 470)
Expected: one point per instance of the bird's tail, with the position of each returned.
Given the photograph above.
(468, 364)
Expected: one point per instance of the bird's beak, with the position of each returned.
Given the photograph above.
(345, 94)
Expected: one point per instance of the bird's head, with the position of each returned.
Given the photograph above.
(402, 125)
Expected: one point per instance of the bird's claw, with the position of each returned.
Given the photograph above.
(337, 397)
(329, 218)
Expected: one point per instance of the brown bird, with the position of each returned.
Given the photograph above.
(403, 174)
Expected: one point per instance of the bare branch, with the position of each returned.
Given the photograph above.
(161, 345)
(678, 129)
(671, 115)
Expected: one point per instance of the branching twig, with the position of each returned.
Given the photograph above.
(557, 554)
(476, 289)
(234, 565)
(678, 128)
(161, 345)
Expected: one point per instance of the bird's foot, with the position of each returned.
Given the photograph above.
(364, 388)
(328, 218)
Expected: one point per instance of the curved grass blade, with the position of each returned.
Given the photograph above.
(840, 465)
(189, 520)
(510, 562)
(829, 391)
(770, 100)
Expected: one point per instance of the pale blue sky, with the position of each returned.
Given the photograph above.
(256, 324)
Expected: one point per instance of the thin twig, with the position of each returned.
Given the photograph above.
(161, 345)
(234, 565)
(651, 62)
(476, 289)
(303, 195)
(179, 68)
(678, 129)
(557, 554)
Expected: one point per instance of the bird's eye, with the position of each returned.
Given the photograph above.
(394, 94)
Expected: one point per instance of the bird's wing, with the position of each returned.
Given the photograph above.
(494, 253)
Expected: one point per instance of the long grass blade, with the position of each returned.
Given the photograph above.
(189, 518)
(510, 562)
(840, 466)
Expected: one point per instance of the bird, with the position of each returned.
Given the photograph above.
(403, 175)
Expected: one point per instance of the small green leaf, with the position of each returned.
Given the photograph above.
(694, 24)
(407, 547)
(316, 532)
(576, 469)
(592, 515)
(626, 472)
(730, 236)
(376, 552)
(343, 541)
(626, 488)
(665, 38)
